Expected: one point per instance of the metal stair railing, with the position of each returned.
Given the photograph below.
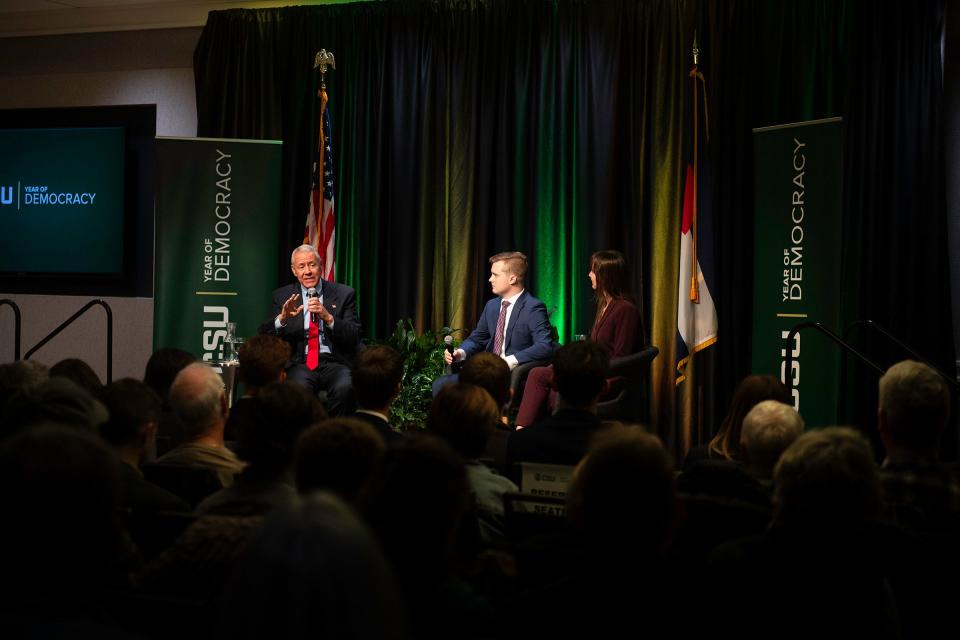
(68, 321)
(17, 318)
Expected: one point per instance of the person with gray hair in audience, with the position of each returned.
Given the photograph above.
(921, 494)
(199, 400)
(768, 429)
(825, 546)
(913, 413)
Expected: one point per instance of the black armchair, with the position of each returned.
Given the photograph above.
(629, 400)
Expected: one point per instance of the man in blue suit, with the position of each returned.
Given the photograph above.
(513, 325)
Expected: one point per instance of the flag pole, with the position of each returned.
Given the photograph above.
(694, 283)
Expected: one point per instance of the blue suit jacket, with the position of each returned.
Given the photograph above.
(528, 334)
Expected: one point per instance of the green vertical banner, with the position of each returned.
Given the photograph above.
(217, 208)
(797, 194)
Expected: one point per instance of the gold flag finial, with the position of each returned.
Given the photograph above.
(324, 59)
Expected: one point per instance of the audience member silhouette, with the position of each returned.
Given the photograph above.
(913, 413)
(622, 498)
(725, 445)
(20, 375)
(825, 547)
(61, 544)
(131, 432)
(198, 399)
(768, 429)
(465, 416)
(313, 571)
(203, 558)
(162, 367)
(80, 372)
(622, 503)
(263, 360)
(338, 455)
(422, 480)
(280, 413)
(54, 401)
(579, 371)
(377, 374)
(921, 494)
(491, 373)
(725, 499)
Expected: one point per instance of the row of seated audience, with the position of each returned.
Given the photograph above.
(275, 521)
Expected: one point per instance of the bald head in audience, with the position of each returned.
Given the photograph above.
(198, 398)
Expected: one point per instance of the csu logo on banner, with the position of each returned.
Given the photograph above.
(6, 194)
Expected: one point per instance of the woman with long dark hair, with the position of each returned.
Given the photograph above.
(616, 325)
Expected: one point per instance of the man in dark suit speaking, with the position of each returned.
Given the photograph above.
(513, 325)
(324, 333)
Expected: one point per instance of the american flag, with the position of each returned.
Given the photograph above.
(321, 227)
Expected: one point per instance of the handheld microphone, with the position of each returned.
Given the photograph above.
(312, 293)
(454, 366)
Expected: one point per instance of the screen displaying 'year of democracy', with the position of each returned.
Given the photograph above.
(61, 200)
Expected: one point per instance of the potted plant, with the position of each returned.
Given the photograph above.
(422, 364)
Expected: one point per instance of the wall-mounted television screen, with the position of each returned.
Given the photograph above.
(76, 200)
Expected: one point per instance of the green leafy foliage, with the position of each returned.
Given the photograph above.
(422, 364)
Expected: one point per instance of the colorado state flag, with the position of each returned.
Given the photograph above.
(696, 314)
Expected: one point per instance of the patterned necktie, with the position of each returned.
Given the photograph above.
(501, 324)
(313, 346)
